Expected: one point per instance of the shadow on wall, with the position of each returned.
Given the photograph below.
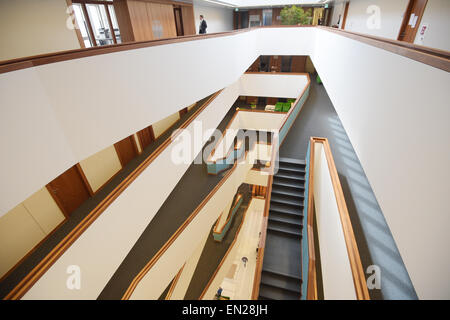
(375, 241)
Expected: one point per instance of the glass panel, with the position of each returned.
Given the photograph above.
(81, 21)
(114, 23)
(100, 25)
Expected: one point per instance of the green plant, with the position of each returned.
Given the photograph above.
(295, 15)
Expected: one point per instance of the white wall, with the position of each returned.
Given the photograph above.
(436, 16)
(391, 17)
(218, 18)
(30, 27)
(335, 264)
(397, 122)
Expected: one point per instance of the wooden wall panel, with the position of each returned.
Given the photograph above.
(276, 12)
(140, 21)
(298, 64)
(124, 20)
(275, 64)
(187, 15)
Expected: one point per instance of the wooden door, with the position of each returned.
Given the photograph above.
(146, 136)
(183, 111)
(126, 150)
(411, 20)
(298, 64)
(69, 190)
(345, 15)
(178, 21)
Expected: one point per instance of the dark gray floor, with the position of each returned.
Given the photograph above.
(376, 245)
(80, 213)
(213, 251)
(190, 191)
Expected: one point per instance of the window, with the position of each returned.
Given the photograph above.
(97, 22)
(267, 17)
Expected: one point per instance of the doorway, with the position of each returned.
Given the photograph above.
(411, 20)
(146, 136)
(178, 21)
(69, 190)
(126, 150)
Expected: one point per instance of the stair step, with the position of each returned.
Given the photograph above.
(285, 199)
(288, 209)
(290, 228)
(291, 160)
(278, 281)
(288, 219)
(288, 183)
(287, 192)
(284, 232)
(282, 274)
(288, 168)
(277, 293)
(263, 298)
(284, 175)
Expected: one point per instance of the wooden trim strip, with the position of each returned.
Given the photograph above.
(226, 254)
(359, 280)
(174, 283)
(34, 275)
(311, 291)
(434, 57)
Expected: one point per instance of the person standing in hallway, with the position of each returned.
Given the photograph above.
(203, 25)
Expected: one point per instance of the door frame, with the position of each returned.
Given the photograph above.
(57, 200)
(406, 17)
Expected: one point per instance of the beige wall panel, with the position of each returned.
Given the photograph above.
(44, 210)
(30, 27)
(19, 233)
(100, 167)
(164, 124)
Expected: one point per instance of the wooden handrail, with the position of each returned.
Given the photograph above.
(34, 275)
(174, 283)
(433, 57)
(359, 280)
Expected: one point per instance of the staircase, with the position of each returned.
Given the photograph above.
(281, 272)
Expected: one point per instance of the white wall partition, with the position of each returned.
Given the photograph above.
(337, 276)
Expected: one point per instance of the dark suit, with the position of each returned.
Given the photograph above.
(203, 27)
